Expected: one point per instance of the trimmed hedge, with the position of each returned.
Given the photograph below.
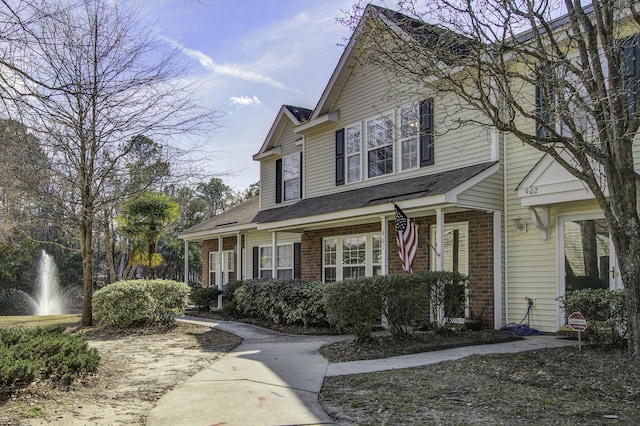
(139, 302)
(33, 354)
(604, 310)
(282, 301)
(405, 301)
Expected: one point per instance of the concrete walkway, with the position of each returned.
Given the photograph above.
(274, 379)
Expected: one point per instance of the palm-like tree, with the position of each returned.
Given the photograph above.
(144, 220)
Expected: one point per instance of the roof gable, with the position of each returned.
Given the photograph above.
(286, 114)
(548, 182)
(402, 25)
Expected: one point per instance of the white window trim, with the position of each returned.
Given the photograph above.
(368, 265)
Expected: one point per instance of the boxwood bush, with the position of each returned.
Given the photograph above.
(604, 310)
(203, 297)
(282, 301)
(50, 354)
(354, 306)
(139, 302)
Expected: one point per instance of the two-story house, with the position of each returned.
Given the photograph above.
(329, 178)
(485, 204)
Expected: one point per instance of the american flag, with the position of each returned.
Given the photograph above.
(407, 238)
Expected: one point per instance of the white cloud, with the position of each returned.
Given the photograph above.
(244, 100)
(231, 70)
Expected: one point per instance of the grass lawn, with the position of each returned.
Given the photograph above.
(38, 321)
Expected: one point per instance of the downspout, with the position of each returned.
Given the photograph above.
(506, 228)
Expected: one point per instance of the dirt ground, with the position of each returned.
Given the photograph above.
(544, 387)
(135, 371)
(562, 386)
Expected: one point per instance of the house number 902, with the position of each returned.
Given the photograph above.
(531, 191)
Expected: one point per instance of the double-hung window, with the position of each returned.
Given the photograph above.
(285, 261)
(398, 140)
(351, 256)
(380, 146)
(265, 262)
(291, 177)
(228, 267)
(409, 142)
(213, 268)
(354, 147)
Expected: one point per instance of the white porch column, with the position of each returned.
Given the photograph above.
(384, 225)
(219, 271)
(239, 262)
(274, 254)
(186, 262)
(439, 266)
(497, 269)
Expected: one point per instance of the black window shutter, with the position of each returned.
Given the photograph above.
(256, 262)
(340, 157)
(426, 132)
(297, 261)
(279, 180)
(300, 175)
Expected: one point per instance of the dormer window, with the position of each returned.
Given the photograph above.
(291, 177)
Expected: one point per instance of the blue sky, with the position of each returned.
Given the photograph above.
(252, 56)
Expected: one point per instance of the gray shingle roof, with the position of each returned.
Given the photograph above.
(434, 184)
(242, 214)
(301, 114)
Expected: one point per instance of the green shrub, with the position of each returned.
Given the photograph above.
(604, 310)
(44, 354)
(139, 302)
(203, 297)
(282, 301)
(228, 292)
(405, 302)
(355, 306)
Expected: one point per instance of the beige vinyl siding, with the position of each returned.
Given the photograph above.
(531, 260)
(485, 195)
(366, 96)
(268, 183)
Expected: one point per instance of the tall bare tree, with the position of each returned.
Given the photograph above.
(88, 79)
(585, 66)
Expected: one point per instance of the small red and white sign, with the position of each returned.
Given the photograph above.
(577, 322)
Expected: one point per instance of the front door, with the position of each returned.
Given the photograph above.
(587, 258)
